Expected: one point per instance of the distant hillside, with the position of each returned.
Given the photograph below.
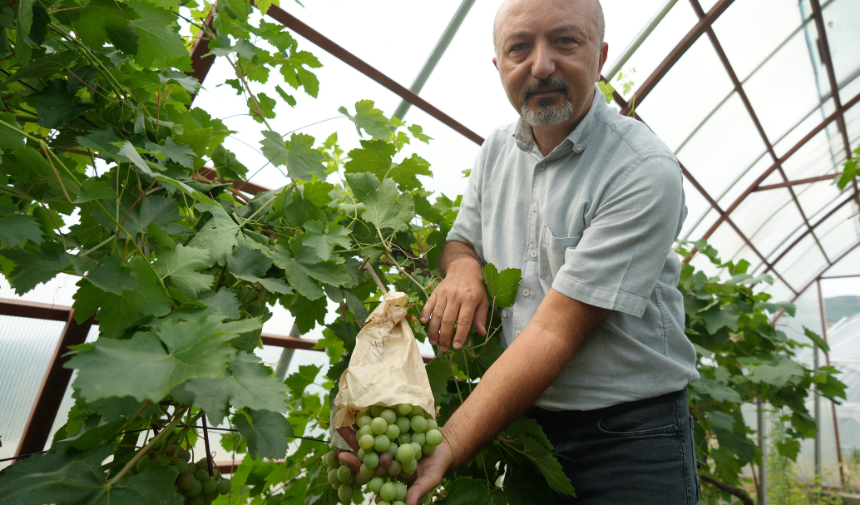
(841, 306)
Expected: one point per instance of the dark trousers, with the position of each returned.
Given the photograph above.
(634, 454)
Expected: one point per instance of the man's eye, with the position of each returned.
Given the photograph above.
(519, 47)
(566, 40)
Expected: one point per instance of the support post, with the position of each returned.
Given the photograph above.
(762, 445)
(287, 355)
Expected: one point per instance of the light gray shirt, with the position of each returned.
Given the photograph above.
(595, 220)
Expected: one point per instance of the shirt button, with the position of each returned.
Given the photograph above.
(578, 148)
(543, 166)
(534, 208)
(534, 254)
(517, 334)
(504, 313)
(525, 292)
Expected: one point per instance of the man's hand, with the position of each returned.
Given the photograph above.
(430, 471)
(460, 298)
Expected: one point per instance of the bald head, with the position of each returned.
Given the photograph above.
(599, 22)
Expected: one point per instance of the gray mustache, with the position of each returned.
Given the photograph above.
(545, 83)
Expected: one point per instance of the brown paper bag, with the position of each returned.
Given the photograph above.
(386, 367)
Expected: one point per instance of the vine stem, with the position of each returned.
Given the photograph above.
(146, 448)
(369, 268)
(206, 440)
(128, 423)
(59, 179)
(404, 272)
(103, 242)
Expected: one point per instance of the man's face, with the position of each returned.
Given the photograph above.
(548, 58)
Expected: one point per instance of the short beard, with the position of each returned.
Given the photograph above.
(551, 111)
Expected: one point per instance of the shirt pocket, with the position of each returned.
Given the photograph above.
(552, 253)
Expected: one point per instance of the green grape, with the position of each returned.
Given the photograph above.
(378, 425)
(192, 467)
(375, 484)
(201, 475)
(401, 491)
(417, 449)
(366, 441)
(343, 474)
(365, 471)
(404, 409)
(363, 419)
(416, 411)
(357, 496)
(410, 466)
(389, 416)
(216, 472)
(143, 463)
(371, 460)
(392, 448)
(194, 490)
(172, 451)
(395, 468)
(383, 502)
(419, 424)
(332, 478)
(328, 459)
(388, 491)
(403, 424)
(181, 466)
(360, 478)
(375, 410)
(162, 461)
(197, 500)
(405, 453)
(392, 432)
(398, 502)
(185, 454)
(364, 430)
(428, 449)
(405, 438)
(185, 481)
(360, 454)
(434, 437)
(418, 438)
(173, 469)
(224, 486)
(344, 492)
(381, 443)
(202, 463)
(432, 425)
(210, 498)
(210, 485)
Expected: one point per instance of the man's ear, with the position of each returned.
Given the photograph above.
(604, 52)
(496, 62)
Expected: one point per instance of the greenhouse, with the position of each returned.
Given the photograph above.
(203, 202)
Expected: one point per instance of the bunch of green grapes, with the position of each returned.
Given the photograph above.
(193, 480)
(392, 440)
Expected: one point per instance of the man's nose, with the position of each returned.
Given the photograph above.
(543, 60)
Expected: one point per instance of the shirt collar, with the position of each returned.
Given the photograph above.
(578, 138)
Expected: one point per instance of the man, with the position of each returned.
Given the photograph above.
(587, 204)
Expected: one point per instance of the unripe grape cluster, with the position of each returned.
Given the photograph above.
(391, 441)
(193, 481)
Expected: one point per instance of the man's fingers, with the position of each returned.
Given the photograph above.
(349, 435)
(481, 316)
(436, 319)
(423, 484)
(349, 459)
(452, 310)
(428, 308)
(463, 324)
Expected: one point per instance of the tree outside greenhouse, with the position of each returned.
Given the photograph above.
(110, 174)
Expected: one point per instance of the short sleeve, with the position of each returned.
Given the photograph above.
(623, 250)
(467, 225)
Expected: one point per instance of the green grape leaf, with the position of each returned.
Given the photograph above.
(17, 229)
(405, 173)
(438, 372)
(548, 465)
(9, 139)
(179, 153)
(224, 302)
(418, 133)
(480, 360)
(94, 189)
(290, 99)
(119, 312)
(303, 161)
(220, 235)
(775, 308)
(310, 312)
(274, 148)
(247, 384)
(502, 286)
(525, 426)
(374, 156)
(720, 419)
(248, 263)
(124, 37)
(369, 119)
(716, 390)
(716, 317)
(305, 271)
(811, 335)
(524, 486)
(182, 265)
(226, 165)
(190, 83)
(141, 367)
(467, 491)
(384, 208)
(35, 268)
(299, 381)
(266, 433)
(77, 477)
(159, 36)
(778, 374)
(97, 16)
(110, 276)
(322, 237)
(55, 105)
(129, 153)
(41, 68)
(263, 5)
(355, 306)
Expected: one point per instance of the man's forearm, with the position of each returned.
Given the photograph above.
(514, 382)
(455, 252)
